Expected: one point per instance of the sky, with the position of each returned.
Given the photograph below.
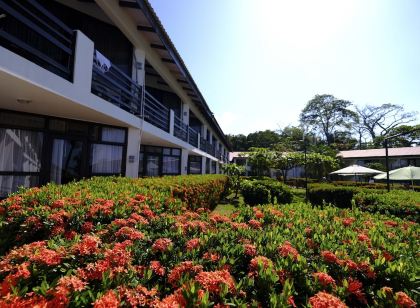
(258, 62)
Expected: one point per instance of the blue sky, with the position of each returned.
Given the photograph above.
(258, 62)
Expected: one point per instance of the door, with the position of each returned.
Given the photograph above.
(68, 160)
(153, 165)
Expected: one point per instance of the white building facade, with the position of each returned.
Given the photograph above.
(97, 88)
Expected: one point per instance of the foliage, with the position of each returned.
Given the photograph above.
(234, 172)
(327, 115)
(410, 135)
(405, 204)
(154, 252)
(259, 139)
(260, 160)
(238, 142)
(339, 196)
(300, 182)
(279, 193)
(255, 193)
(381, 120)
(376, 165)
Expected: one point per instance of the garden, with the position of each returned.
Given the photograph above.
(158, 242)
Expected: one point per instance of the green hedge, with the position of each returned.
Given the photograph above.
(265, 191)
(299, 182)
(401, 203)
(339, 196)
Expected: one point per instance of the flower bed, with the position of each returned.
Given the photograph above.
(148, 253)
(40, 213)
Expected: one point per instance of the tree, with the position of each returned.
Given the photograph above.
(238, 142)
(260, 160)
(325, 114)
(263, 139)
(319, 165)
(380, 120)
(409, 136)
(291, 139)
(284, 161)
(234, 172)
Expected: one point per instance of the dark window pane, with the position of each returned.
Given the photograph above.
(176, 152)
(166, 151)
(170, 165)
(20, 150)
(110, 134)
(141, 162)
(10, 118)
(152, 149)
(10, 183)
(58, 125)
(106, 158)
(152, 165)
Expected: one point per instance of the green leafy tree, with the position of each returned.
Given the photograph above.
(326, 115)
(260, 160)
(234, 172)
(319, 165)
(409, 135)
(238, 142)
(285, 161)
(263, 139)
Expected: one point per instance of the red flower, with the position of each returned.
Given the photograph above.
(213, 281)
(129, 233)
(258, 214)
(46, 256)
(87, 227)
(250, 250)
(213, 257)
(324, 279)
(325, 300)
(403, 300)
(287, 249)
(157, 268)
(161, 244)
(363, 238)
(88, 245)
(256, 263)
(184, 267)
(108, 300)
(355, 287)
(348, 221)
(69, 284)
(255, 224)
(329, 257)
(192, 244)
(291, 301)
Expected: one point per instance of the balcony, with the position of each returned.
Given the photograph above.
(32, 32)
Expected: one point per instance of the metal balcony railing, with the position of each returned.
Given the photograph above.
(192, 137)
(180, 129)
(113, 85)
(29, 30)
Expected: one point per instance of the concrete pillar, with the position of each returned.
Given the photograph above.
(133, 150)
(139, 63)
(83, 63)
(186, 114)
(184, 161)
(198, 144)
(171, 121)
(217, 168)
(203, 164)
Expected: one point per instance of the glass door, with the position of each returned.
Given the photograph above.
(68, 160)
(152, 165)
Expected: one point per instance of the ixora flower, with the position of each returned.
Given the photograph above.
(250, 250)
(213, 281)
(355, 287)
(157, 268)
(47, 257)
(88, 245)
(108, 300)
(161, 244)
(403, 300)
(129, 233)
(255, 224)
(326, 300)
(256, 262)
(287, 249)
(192, 244)
(330, 257)
(324, 279)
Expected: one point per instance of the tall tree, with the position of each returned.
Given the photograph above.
(409, 135)
(380, 120)
(326, 115)
(238, 142)
(263, 139)
(260, 160)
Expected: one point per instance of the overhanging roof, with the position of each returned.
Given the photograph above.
(378, 153)
(154, 31)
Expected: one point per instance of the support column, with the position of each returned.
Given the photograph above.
(138, 66)
(83, 63)
(171, 121)
(184, 161)
(203, 164)
(186, 114)
(133, 150)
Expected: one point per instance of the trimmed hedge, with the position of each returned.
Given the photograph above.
(41, 213)
(401, 203)
(299, 182)
(265, 191)
(339, 196)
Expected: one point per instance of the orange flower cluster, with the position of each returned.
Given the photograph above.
(326, 300)
(287, 249)
(213, 281)
(161, 244)
(324, 279)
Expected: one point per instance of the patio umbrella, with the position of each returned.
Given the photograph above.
(356, 170)
(409, 173)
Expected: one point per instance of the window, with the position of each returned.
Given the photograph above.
(20, 162)
(170, 165)
(194, 164)
(110, 134)
(155, 161)
(106, 159)
(213, 167)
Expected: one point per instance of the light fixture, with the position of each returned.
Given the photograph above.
(23, 101)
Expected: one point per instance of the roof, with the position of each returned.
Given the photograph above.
(233, 155)
(185, 76)
(371, 153)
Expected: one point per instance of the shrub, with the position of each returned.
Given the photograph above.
(41, 213)
(400, 203)
(255, 193)
(339, 196)
(299, 182)
(168, 256)
(279, 192)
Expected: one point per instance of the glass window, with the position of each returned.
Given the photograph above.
(170, 165)
(152, 149)
(141, 162)
(110, 134)
(10, 183)
(194, 164)
(20, 150)
(213, 167)
(10, 118)
(152, 165)
(166, 151)
(207, 165)
(106, 158)
(176, 152)
(57, 125)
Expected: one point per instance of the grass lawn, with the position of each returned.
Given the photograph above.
(229, 205)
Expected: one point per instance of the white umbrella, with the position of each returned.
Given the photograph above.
(409, 173)
(356, 170)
